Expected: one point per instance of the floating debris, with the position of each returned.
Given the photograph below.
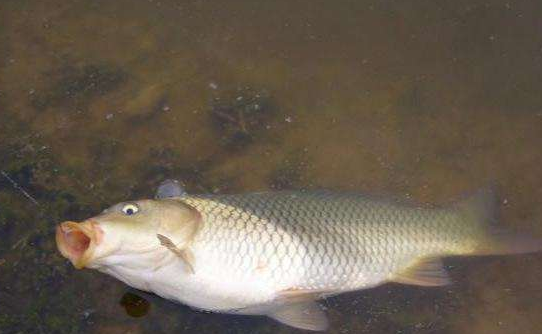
(18, 187)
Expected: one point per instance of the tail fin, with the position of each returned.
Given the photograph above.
(480, 209)
(502, 242)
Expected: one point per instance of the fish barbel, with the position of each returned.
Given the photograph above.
(276, 253)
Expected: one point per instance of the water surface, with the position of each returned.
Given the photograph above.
(429, 100)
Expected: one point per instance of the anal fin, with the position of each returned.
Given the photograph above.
(305, 315)
(425, 272)
(294, 295)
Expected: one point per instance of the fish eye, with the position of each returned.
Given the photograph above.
(130, 209)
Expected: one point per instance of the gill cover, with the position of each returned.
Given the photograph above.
(177, 232)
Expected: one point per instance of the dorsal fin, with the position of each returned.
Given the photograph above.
(170, 188)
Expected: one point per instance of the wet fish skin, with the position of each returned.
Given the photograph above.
(274, 253)
(325, 241)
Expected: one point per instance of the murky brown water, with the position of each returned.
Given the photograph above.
(101, 100)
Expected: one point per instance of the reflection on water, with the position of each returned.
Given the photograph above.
(101, 100)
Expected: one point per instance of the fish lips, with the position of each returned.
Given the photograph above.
(77, 241)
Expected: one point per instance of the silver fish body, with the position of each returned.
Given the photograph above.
(323, 241)
(275, 253)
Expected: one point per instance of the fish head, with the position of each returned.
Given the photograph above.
(125, 230)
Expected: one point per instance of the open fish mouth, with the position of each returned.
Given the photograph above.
(77, 241)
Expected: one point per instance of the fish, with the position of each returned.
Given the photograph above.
(277, 253)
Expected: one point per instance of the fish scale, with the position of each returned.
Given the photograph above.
(323, 240)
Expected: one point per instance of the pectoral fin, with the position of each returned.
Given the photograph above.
(184, 254)
(306, 315)
(425, 272)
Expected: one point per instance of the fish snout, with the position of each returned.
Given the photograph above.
(77, 241)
